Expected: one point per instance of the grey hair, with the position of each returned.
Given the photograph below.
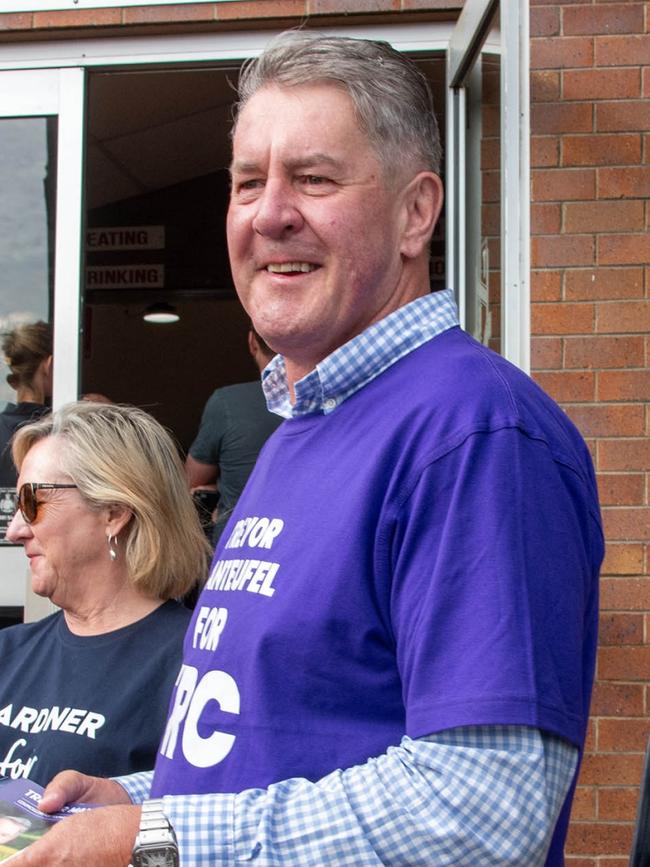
(120, 455)
(391, 97)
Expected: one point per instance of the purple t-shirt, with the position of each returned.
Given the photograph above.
(425, 556)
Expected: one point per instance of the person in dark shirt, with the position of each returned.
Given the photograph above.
(235, 425)
(28, 353)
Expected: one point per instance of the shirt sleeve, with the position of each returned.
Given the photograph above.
(137, 786)
(473, 796)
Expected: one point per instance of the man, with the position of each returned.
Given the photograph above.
(391, 661)
(234, 427)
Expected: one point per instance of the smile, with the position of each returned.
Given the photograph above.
(291, 267)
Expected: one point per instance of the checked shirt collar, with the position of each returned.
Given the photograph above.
(361, 359)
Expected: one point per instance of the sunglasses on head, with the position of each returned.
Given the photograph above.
(27, 502)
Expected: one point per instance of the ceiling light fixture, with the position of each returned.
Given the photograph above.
(160, 313)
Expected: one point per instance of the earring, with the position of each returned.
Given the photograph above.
(112, 547)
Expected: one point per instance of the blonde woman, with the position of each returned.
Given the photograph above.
(112, 538)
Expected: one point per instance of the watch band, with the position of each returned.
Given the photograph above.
(155, 843)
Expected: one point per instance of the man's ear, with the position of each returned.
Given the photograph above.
(423, 197)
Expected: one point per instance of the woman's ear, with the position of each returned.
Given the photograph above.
(118, 518)
(423, 197)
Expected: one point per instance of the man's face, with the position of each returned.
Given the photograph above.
(314, 228)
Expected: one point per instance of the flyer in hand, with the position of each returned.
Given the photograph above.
(21, 822)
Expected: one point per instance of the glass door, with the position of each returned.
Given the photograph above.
(41, 115)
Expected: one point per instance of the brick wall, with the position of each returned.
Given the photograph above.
(590, 154)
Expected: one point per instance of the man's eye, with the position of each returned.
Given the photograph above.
(250, 184)
(314, 180)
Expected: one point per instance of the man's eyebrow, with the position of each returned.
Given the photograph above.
(245, 167)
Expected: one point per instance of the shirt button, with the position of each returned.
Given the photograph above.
(330, 403)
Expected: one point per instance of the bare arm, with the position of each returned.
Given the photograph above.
(200, 475)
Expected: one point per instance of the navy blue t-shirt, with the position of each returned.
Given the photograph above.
(95, 703)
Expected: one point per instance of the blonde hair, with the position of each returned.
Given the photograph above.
(25, 348)
(120, 455)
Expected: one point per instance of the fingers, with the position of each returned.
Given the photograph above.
(70, 786)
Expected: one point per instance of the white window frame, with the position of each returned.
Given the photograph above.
(464, 50)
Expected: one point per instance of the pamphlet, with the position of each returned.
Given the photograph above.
(21, 822)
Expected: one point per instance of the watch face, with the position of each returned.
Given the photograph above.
(159, 858)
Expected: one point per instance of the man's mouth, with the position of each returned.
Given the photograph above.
(291, 267)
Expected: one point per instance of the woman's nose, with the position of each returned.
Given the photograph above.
(18, 529)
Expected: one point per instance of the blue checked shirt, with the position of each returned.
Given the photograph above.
(477, 796)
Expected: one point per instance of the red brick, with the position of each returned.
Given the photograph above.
(610, 770)
(584, 803)
(545, 219)
(546, 285)
(624, 454)
(617, 699)
(546, 353)
(562, 185)
(623, 183)
(544, 85)
(622, 50)
(623, 735)
(623, 559)
(244, 9)
(625, 594)
(620, 629)
(186, 12)
(602, 284)
(549, 118)
(567, 385)
(559, 52)
(646, 81)
(544, 151)
(77, 18)
(623, 663)
(621, 489)
(545, 22)
(622, 116)
(624, 385)
(618, 804)
(603, 352)
(603, 216)
(609, 19)
(624, 249)
(562, 318)
(598, 84)
(569, 860)
(608, 419)
(601, 837)
(319, 7)
(16, 20)
(552, 251)
(624, 523)
(428, 5)
(601, 150)
(623, 317)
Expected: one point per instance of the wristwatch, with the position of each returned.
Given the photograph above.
(155, 845)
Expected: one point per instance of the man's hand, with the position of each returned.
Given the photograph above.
(96, 838)
(70, 786)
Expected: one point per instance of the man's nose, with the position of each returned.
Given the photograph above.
(277, 212)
